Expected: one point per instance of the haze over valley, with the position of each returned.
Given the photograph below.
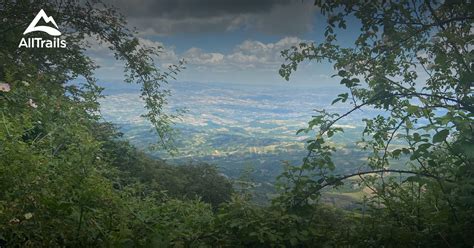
(238, 127)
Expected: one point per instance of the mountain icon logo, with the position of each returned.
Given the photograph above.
(50, 30)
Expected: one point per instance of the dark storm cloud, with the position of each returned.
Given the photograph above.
(178, 9)
(287, 17)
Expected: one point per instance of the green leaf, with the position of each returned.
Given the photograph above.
(396, 152)
(335, 100)
(301, 130)
(341, 97)
(342, 73)
(330, 133)
(411, 109)
(440, 136)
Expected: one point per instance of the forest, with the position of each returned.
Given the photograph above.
(70, 179)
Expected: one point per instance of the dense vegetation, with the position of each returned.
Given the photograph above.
(69, 179)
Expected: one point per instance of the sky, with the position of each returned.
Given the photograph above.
(224, 41)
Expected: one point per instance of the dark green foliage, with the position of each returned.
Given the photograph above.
(65, 177)
(242, 224)
(192, 181)
(411, 61)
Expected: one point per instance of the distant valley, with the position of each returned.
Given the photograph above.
(238, 127)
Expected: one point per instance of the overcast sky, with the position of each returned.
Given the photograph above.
(224, 41)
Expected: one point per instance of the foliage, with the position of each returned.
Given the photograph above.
(242, 224)
(62, 171)
(82, 22)
(412, 61)
(189, 181)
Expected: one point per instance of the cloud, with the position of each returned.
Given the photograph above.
(202, 8)
(165, 17)
(262, 54)
(250, 58)
(248, 54)
(196, 56)
(167, 54)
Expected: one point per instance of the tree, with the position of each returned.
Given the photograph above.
(80, 22)
(56, 186)
(413, 61)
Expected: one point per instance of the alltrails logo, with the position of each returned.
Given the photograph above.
(40, 42)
